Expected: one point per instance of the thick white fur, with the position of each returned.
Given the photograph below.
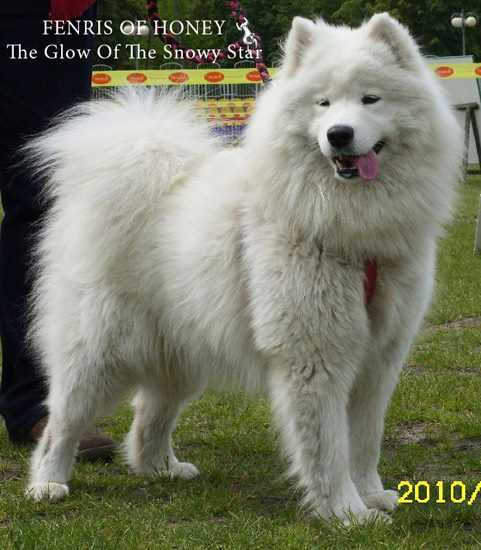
(168, 265)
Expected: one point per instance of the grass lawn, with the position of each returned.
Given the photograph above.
(241, 501)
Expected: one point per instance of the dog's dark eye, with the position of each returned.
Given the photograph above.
(324, 103)
(370, 99)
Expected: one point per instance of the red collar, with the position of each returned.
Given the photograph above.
(370, 280)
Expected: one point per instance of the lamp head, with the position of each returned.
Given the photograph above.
(471, 20)
(457, 20)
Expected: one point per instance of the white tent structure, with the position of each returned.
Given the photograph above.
(464, 91)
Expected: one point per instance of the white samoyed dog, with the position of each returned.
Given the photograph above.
(302, 260)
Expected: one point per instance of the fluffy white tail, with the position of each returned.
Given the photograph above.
(108, 166)
(141, 137)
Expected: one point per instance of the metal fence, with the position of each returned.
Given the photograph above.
(227, 106)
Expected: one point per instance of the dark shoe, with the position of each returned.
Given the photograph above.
(92, 447)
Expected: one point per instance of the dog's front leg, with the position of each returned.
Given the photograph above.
(310, 325)
(404, 291)
(310, 410)
(367, 407)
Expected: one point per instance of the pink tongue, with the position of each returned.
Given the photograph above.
(367, 165)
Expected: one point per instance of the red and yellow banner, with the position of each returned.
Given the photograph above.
(457, 70)
(204, 77)
(234, 112)
(177, 77)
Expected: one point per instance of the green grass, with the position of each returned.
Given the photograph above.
(241, 500)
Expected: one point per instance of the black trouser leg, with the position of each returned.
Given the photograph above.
(31, 93)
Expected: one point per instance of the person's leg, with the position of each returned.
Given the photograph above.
(32, 92)
(22, 389)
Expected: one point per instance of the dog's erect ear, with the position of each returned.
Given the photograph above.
(386, 29)
(299, 39)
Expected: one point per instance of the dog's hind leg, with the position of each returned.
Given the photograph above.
(148, 445)
(74, 402)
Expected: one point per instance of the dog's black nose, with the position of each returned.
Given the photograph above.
(340, 135)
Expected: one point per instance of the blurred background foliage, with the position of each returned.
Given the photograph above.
(428, 20)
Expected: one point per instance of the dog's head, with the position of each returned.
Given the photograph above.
(363, 96)
(360, 134)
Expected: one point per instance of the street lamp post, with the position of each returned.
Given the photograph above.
(461, 21)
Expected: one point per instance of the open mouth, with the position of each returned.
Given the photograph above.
(364, 166)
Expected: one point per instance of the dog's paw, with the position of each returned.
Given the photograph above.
(382, 500)
(50, 490)
(371, 516)
(183, 470)
(180, 470)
